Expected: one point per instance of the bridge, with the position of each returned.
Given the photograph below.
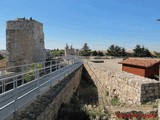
(18, 89)
(24, 84)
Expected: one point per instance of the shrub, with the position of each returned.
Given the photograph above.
(31, 75)
(1, 57)
(115, 101)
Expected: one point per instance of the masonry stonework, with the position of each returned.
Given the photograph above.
(129, 88)
(24, 41)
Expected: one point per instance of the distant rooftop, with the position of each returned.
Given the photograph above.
(140, 62)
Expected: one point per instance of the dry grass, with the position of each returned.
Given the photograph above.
(2, 63)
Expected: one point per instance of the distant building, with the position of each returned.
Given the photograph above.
(141, 66)
(24, 41)
(71, 51)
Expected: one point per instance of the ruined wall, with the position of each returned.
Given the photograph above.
(24, 41)
(131, 89)
(47, 106)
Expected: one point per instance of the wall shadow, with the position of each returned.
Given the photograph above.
(86, 94)
(87, 90)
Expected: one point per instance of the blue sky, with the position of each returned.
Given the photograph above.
(99, 23)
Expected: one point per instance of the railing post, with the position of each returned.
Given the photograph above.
(56, 61)
(22, 70)
(43, 66)
(70, 70)
(35, 67)
(50, 66)
(60, 63)
(50, 73)
(3, 72)
(38, 83)
(72, 60)
(3, 86)
(15, 95)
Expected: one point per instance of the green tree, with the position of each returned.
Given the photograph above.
(141, 51)
(85, 51)
(30, 75)
(94, 53)
(56, 52)
(1, 57)
(115, 50)
(156, 54)
(123, 52)
(100, 53)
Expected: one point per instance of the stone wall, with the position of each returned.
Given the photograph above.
(129, 88)
(24, 41)
(90, 75)
(47, 106)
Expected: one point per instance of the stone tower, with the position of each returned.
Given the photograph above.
(24, 41)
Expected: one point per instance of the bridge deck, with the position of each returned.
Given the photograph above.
(14, 99)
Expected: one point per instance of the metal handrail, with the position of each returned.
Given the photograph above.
(12, 100)
(2, 79)
(25, 65)
(23, 74)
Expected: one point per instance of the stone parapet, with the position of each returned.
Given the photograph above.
(129, 88)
